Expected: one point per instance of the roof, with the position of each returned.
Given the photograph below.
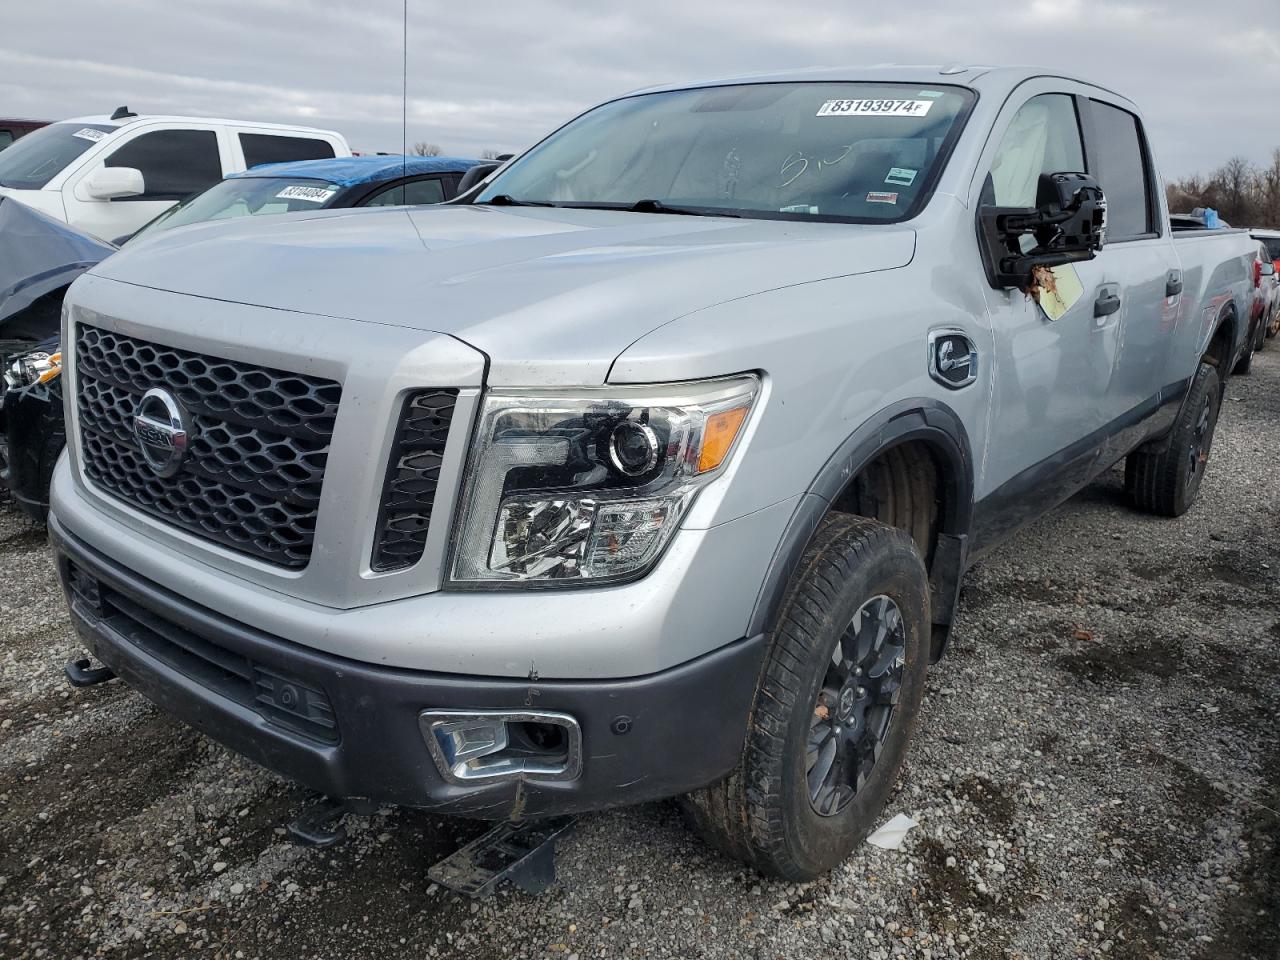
(994, 79)
(349, 171)
(105, 118)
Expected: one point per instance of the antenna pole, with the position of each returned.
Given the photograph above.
(404, 97)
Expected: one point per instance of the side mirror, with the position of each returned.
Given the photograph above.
(475, 175)
(111, 183)
(1268, 268)
(1068, 224)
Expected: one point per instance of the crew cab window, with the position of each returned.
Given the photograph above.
(413, 192)
(6, 138)
(174, 163)
(862, 152)
(1121, 171)
(1043, 137)
(270, 148)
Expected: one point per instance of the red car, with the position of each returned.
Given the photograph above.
(1270, 239)
(11, 130)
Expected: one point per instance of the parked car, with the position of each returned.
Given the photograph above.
(40, 257)
(11, 130)
(310, 185)
(652, 471)
(1271, 240)
(110, 175)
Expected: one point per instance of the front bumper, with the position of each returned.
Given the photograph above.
(354, 731)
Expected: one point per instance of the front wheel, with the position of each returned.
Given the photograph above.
(835, 705)
(1167, 482)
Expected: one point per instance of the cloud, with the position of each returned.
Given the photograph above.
(484, 76)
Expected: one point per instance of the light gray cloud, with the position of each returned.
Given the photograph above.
(501, 75)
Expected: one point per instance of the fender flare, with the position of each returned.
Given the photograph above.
(916, 418)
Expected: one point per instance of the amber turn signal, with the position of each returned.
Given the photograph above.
(718, 436)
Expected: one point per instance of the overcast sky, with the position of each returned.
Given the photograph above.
(501, 74)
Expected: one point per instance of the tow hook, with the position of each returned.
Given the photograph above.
(82, 673)
(523, 852)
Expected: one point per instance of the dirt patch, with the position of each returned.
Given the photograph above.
(1120, 662)
(990, 799)
(1227, 566)
(1136, 929)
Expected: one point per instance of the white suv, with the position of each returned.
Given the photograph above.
(111, 175)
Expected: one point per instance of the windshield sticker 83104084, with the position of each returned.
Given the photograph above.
(88, 133)
(875, 108)
(314, 194)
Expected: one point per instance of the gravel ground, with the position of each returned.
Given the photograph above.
(1097, 774)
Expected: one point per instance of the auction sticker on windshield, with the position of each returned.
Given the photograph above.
(313, 194)
(88, 133)
(875, 108)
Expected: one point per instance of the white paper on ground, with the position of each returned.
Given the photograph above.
(891, 835)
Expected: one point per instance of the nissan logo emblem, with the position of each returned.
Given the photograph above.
(161, 426)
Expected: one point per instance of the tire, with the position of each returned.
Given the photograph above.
(854, 574)
(1167, 482)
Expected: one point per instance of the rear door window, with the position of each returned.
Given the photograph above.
(270, 148)
(6, 138)
(174, 163)
(414, 192)
(1119, 151)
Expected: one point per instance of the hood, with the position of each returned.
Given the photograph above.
(39, 254)
(549, 295)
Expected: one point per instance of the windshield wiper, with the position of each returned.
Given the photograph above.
(506, 200)
(651, 206)
(657, 206)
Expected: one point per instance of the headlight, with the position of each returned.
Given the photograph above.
(37, 367)
(590, 487)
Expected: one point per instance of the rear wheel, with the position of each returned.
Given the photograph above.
(836, 703)
(1167, 482)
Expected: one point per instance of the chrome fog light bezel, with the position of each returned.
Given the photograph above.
(457, 738)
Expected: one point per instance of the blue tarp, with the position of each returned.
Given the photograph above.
(349, 171)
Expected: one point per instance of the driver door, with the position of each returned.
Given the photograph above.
(1054, 362)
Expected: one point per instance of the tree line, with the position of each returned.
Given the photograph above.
(1243, 193)
(423, 149)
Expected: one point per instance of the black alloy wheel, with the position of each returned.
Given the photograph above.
(855, 705)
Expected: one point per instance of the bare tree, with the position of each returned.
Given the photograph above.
(490, 154)
(426, 150)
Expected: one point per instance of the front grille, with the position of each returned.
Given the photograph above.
(260, 442)
(413, 473)
(283, 699)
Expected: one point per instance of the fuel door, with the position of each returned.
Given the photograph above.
(953, 358)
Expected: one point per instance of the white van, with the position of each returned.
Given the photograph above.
(111, 175)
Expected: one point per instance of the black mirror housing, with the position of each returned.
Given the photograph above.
(1068, 224)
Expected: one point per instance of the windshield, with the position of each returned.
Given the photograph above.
(839, 151)
(37, 158)
(246, 197)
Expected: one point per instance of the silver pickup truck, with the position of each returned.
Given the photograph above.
(652, 466)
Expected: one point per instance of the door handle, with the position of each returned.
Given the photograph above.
(1173, 284)
(1106, 304)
